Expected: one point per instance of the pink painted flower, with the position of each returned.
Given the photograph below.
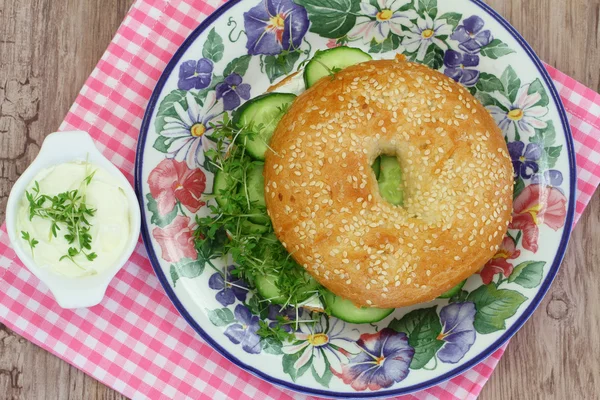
(176, 240)
(499, 262)
(172, 181)
(537, 205)
(331, 43)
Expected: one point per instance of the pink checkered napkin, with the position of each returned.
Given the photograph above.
(135, 341)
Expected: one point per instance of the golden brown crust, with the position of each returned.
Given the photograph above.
(323, 199)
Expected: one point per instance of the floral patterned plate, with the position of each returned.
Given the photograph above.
(246, 46)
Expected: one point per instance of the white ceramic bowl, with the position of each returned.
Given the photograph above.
(58, 148)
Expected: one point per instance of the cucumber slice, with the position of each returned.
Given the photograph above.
(324, 62)
(267, 288)
(347, 311)
(453, 291)
(377, 167)
(390, 180)
(260, 117)
(256, 194)
(222, 182)
(253, 229)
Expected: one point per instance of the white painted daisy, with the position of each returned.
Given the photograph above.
(186, 134)
(522, 114)
(317, 344)
(377, 21)
(426, 32)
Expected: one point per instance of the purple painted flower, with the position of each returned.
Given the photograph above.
(228, 290)
(288, 313)
(231, 90)
(195, 74)
(384, 360)
(471, 36)
(245, 331)
(458, 332)
(274, 26)
(551, 177)
(525, 159)
(459, 67)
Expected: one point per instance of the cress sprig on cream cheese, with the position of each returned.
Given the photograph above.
(67, 209)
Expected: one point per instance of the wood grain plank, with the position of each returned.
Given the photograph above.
(47, 50)
(49, 47)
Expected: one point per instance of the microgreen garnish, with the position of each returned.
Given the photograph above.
(32, 241)
(275, 330)
(229, 230)
(66, 210)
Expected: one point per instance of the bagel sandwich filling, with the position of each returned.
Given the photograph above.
(379, 184)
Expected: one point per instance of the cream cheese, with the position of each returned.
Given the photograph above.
(109, 227)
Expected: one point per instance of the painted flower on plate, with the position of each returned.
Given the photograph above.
(232, 90)
(331, 43)
(551, 177)
(383, 361)
(471, 35)
(173, 181)
(424, 34)
(525, 159)
(274, 26)
(244, 331)
(458, 333)
(275, 312)
(461, 67)
(499, 262)
(195, 74)
(320, 346)
(229, 287)
(522, 114)
(187, 134)
(376, 21)
(536, 205)
(176, 240)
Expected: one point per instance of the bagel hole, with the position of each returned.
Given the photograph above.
(388, 172)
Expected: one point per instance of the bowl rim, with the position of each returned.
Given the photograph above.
(509, 332)
(71, 292)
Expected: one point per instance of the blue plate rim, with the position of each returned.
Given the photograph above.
(138, 169)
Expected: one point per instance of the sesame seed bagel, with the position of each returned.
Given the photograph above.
(323, 198)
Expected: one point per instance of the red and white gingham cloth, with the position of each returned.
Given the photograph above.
(135, 341)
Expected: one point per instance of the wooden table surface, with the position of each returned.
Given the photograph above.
(49, 47)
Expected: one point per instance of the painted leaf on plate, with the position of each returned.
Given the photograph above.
(213, 46)
(186, 268)
(288, 361)
(496, 49)
(422, 327)
(528, 274)
(494, 307)
(167, 109)
(546, 136)
(392, 42)
(511, 83)
(237, 66)
(451, 18)
(159, 220)
(271, 345)
(538, 87)
(331, 18)
(489, 83)
(428, 7)
(221, 316)
(281, 65)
